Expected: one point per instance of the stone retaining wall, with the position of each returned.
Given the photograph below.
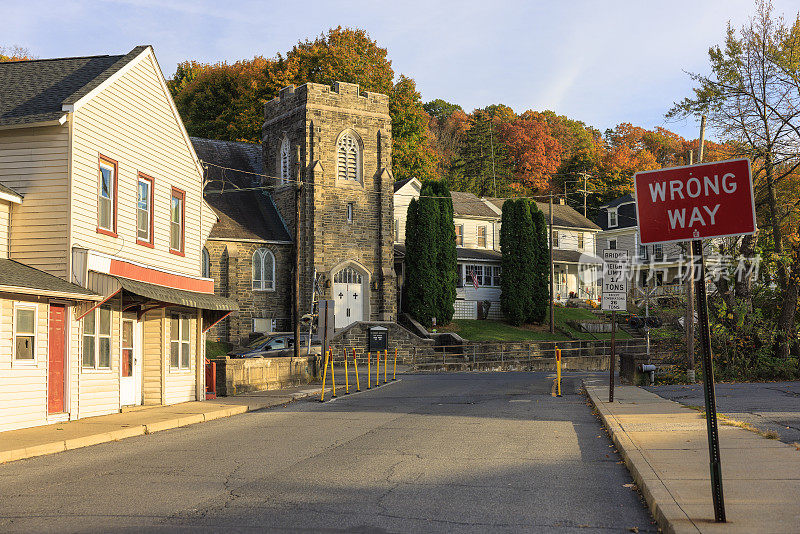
(409, 346)
(241, 375)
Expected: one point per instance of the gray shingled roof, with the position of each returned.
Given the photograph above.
(244, 214)
(19, 275)
(35, 90)
(563, 215)
(469, 205)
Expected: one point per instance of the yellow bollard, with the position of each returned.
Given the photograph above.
(333, 376)
(385, 363)
(346, 374)
(558, 370)
(355, 364)
(394, 372)
(369, 370)
(324, 375)
(378, 369)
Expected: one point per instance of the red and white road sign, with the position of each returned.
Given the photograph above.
(695, 202)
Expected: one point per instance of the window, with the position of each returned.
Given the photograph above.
(643, 252)
(24, 333)
(580, 241)
(482, 236)
(460, 275)
(263, 270)
(555, 238)
(179, 342)
(459, 235)
(97, 339)
(144, 210)
(486, 275)
(348, 157)
(350, 209)
(397, 230)
(658, 252)
(107, 197)
(612, 244)
(285, 161)
(206, 266)
(612, 217)
(495, 276)
(177, 219)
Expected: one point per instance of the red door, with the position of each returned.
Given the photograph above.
(55, 382)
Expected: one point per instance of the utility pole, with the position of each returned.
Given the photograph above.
(585, 193)
(298, 194)
(552, 273)
(491, 143)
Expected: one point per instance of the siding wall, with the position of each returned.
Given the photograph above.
(132, 122)
(402, 198)
(98, 389)
(471, 232)
(23, 386)
(152, 362)
(568, 240)
(5, 223)
(33, 162)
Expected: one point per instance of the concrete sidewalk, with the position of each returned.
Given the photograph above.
(665, 447)
(48, 439)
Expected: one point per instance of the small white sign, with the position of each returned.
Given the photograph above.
(615, 280)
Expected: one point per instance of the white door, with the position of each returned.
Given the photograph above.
(348, 295)
(130, 383)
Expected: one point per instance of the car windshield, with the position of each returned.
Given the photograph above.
(257, 342)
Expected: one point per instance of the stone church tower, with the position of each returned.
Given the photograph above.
(337, 141)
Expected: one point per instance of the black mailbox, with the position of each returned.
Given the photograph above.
(378, 338)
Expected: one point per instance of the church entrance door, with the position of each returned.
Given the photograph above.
(348, 295)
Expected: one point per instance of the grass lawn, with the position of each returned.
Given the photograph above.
(475, 330)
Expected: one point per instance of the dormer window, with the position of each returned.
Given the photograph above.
(348, 157)
(284, 161)
(612, 218)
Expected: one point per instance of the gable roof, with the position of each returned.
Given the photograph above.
(563, 215)
(36, 91)
(15, 276)
(624, 199)
(242, 214)
(626, 213)
(467, 204)
(9, 194)
(399, 184)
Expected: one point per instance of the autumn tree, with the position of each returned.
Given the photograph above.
(484, 167)
(412, 154)
(535, 154)
(750, 97)
(14, 53)
(447, 124)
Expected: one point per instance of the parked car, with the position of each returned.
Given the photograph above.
(276, 344)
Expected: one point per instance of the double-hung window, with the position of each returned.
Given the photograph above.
(179, 342)
(24, 333)
(580, 241)
(612, 218)
(96, 350)
(555, 238)
(177, 218)
(107, 197)
(144, 210)
(482, 236)
(459, 235)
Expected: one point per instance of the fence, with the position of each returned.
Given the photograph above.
(506, 356)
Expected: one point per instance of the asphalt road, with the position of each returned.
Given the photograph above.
(460, 452)
(767, 406)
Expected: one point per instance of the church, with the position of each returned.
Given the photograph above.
(336, 142)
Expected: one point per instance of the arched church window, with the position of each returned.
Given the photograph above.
(263, 270)
(348, 157)
(348, 275)
(284, 161)
(206, 266)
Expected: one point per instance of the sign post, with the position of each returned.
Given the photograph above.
(615, 298)
(698, 202)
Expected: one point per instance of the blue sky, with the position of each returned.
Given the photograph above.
(602, 62)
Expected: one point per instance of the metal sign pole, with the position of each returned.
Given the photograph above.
(613, 358)
(715, 463)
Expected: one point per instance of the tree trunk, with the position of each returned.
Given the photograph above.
(785, 326)
(772, 205)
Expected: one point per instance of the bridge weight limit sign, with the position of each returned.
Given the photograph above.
(615, 298)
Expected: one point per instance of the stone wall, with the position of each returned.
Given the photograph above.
(409, 346)
(231, 269)
(241, 375)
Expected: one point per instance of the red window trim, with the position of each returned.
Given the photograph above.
(178, 193)
(113, 163)
(143, 176)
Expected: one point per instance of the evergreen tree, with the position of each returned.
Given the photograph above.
(446, 266)
(420, 287)
(484, 162)
(541, 268)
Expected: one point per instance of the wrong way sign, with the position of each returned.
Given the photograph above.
(695, 202)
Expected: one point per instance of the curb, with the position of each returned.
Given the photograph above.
(53, 447)
(665, 509)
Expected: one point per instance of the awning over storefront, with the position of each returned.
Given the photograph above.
(179, 297)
